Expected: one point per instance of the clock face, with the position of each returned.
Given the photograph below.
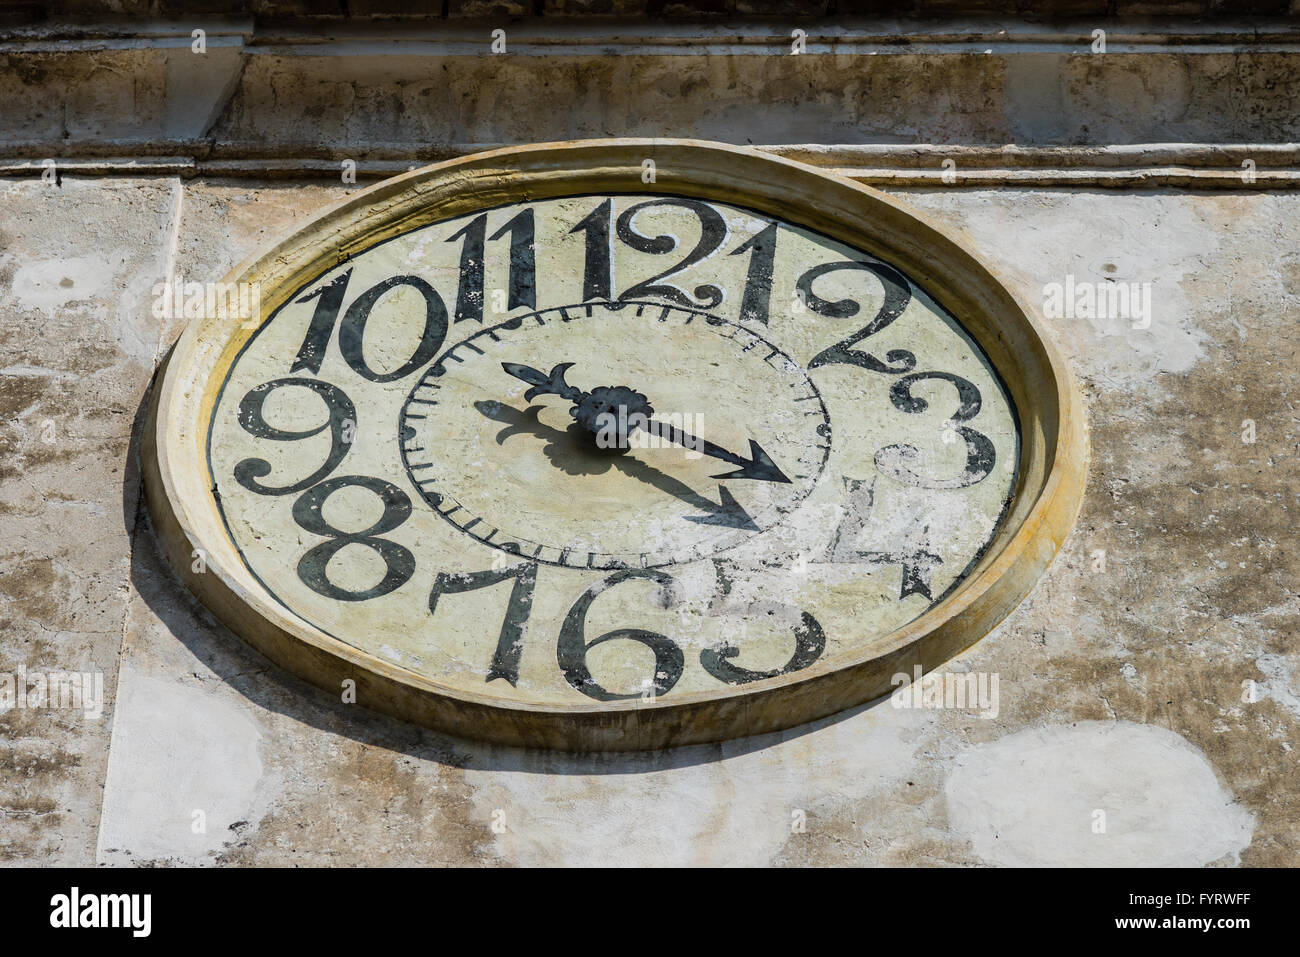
(649, 490)
(617, 449)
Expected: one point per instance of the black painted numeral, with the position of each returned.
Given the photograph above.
(898, 461)
(572, 648)
(713, 232)
(313, 567)
(598, 268)
(341, 422)
(510, 642)
(912, 554)
(353, 328)
(469, 297)
(523, 259)
(522, 277)
(312, 352)
(898, 294)
(756, 303)
(809, 638)
(809, 643)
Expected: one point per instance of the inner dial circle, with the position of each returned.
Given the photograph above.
(737, 438)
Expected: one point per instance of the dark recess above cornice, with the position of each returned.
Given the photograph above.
(12, 11)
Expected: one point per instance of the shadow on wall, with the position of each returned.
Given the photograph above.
(267, 685)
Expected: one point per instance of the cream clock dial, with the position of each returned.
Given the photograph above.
(615, 483)
(567, 469)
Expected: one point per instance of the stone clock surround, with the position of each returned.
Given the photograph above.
(1049, 481)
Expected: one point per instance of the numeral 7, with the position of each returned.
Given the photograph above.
(510, 642)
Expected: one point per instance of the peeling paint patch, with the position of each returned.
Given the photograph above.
(1282, 680)
(53, 284)
(1130, 239)
(177, 749)
(717, 805)
(1031, 799)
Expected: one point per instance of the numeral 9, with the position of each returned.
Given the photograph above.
(341, 423)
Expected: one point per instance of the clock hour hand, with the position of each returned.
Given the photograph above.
(543, 384)
(561, 445)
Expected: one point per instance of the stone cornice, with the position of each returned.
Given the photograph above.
(1175, 103)
(534, 36)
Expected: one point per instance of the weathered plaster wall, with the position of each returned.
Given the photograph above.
(1119, 690)
(76, 265)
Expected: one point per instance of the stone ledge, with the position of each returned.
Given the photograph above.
(161, 100)
(840, 34)
(1183, 106)
(361, 10)
(1152, 165)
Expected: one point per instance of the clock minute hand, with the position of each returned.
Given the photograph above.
(543, 383)
(759, 466)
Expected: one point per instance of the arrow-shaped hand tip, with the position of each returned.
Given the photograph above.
(729, 513)
(760, 467)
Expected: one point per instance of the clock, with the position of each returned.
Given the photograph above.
(612, 445)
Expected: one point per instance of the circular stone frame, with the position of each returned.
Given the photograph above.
(1045, 502)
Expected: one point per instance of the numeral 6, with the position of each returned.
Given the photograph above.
(572, 648)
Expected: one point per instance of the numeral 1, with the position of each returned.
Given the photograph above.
(756, 305)
(523, 261)
(597, 275)
(469, 297)
(312, 352)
